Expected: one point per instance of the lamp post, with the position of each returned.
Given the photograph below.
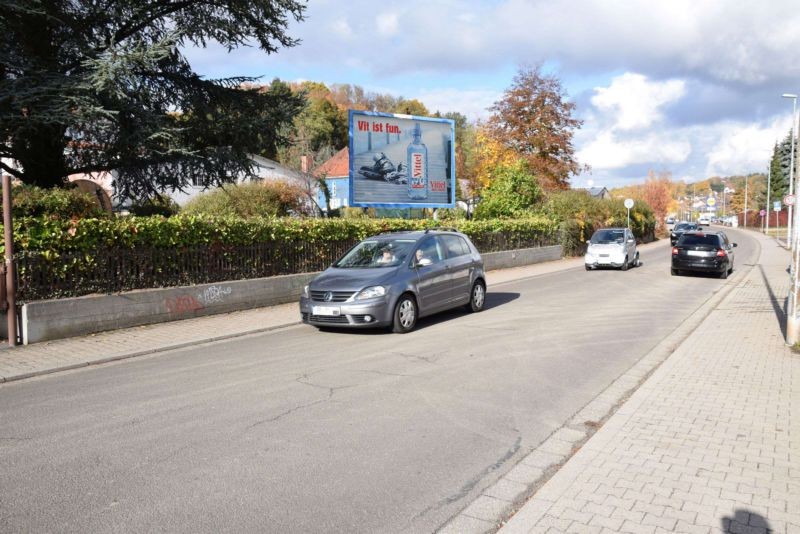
(793, 96)
(769, 184)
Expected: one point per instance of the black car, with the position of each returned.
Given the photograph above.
(679, 229)
(707, 252)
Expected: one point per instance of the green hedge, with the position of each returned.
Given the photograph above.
(56, 235)
(60, 203)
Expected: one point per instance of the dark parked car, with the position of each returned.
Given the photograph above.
(679, 229)
(707, 252)
(394, 279)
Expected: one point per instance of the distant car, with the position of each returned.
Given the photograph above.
(612, 247)
(732, 221)
(394, 279)
(704, 219)
(707, 252)
(670, 220)
(679, 229)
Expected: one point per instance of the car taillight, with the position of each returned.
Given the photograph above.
(674, 251)
(721, 253)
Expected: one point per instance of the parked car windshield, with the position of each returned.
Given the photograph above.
(693, 239)
(686, 226)
(376, 253)
(602, 237)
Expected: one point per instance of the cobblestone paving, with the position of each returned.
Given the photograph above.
(709, 443)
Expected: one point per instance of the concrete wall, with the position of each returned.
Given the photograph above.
(54, 319)
(520, 257)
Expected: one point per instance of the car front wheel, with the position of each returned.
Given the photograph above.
(405, 315)
(625, 264)
(477, 297)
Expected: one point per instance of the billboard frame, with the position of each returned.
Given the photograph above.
(351, 113)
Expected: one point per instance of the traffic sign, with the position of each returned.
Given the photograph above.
(762, 213)
(789, 200)
(711, 201)
(776, 206)
(629, 203)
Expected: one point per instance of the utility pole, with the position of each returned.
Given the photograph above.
(769, 184)
(746, 182)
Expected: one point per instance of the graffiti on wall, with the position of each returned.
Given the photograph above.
(214, 294)
(183, 304)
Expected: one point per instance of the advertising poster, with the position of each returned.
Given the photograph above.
(401, 161)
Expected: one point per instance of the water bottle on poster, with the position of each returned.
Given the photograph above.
(417, 166)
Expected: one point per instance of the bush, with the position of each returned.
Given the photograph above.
(55, 235)
(67, 203)
(267, 199)
(164, 206)
(578, 215)
(513, 191)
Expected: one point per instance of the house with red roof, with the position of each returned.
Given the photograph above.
(336, 172)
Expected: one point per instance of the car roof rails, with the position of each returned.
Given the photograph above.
(441, 229)
(395, 232)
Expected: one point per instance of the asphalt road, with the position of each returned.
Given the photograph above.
(297, 430)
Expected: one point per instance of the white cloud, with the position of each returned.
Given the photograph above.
(635, 101)
(341, 29)
(607, 151)
(388, 24)
(472, 103)
(721, 40)
(742, 148)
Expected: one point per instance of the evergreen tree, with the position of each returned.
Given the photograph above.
(90, 86)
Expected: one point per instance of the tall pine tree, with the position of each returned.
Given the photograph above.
(90, 86)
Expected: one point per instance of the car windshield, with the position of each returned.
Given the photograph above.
(376, 253)
(686, 226)
(694, 239)
(603, 237)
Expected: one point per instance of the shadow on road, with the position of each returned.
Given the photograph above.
(493, 300)
(745, 521)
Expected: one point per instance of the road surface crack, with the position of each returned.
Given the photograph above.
(466, 488)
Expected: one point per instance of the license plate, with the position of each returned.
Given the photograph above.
(696, 253)
(325, 310)
(603, 260)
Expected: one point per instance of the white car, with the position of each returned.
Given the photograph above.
(612, 247)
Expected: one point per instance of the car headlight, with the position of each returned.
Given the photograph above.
(305, 292)
(371, 293)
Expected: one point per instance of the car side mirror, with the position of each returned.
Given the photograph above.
(735, 245)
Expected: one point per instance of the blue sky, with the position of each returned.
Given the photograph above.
(689, 87)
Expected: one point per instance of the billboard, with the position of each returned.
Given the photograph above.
(401, 161)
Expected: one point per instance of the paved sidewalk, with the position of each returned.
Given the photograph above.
(709, 443)
(60, 355)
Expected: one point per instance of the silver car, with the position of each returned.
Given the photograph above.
(391, 280)
(612, 247)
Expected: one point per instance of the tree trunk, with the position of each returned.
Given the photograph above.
(42, 157)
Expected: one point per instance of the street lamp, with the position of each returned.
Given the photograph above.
(789, 241)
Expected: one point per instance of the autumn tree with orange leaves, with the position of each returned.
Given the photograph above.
(534, 121)
(657, 192)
